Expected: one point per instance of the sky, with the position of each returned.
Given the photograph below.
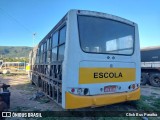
(20, 19)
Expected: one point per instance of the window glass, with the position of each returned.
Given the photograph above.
(48, 56)
(111, 45)
(61, 53)
(41, 55)
(99, 35)
(62, 35)
(48, 44)
(41, 48)
(45, 47)
(54, 54)
(55, 40)
(125, 42)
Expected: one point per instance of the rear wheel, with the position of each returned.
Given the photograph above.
(155, 79)
(144, 78)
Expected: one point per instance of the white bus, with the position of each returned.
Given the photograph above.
(88, 59)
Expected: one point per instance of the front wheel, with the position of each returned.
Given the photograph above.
(155, 79)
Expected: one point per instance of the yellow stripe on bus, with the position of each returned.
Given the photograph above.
(104, 75)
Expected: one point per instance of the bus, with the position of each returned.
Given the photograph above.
(88, 59)
(13, 65)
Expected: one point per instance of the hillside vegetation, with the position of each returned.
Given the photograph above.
(14, 51)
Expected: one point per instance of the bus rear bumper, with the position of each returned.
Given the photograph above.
(75, 101)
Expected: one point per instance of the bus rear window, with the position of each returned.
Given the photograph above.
(99, 35)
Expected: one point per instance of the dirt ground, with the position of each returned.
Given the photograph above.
(22, 93)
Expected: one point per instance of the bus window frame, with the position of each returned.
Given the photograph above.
(63, 43)
(134, 37)
(49, 49)
(58, 45)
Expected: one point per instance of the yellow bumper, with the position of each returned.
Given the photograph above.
(75, 101)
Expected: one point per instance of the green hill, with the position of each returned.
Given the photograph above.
(14, 51)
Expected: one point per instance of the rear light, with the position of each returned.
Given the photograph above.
(85, 91)
(79, 91)
(133, 86)
(129, 87)
(72, 90)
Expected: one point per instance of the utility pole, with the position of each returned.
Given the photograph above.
(34, 34)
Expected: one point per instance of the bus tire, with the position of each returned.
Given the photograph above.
(155, 79)
(144, 78)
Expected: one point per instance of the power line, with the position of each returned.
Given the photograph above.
(15, 20)
(19, 23)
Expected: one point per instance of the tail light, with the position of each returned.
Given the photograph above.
(72, 90)
(86, 90)
(133, 86)
(80, 91)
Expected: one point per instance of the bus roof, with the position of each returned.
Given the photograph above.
(101, 14)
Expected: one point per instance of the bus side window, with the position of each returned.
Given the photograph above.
(61, 53)
(49, 50)
(61, 46)
(45, 52)
(54, 46)
(41, 54)
(48, 44)
(55, 40)
(54, 54)
(62, 35)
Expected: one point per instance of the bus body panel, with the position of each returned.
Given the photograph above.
(76, 59)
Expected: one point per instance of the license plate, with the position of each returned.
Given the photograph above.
(110, 88)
